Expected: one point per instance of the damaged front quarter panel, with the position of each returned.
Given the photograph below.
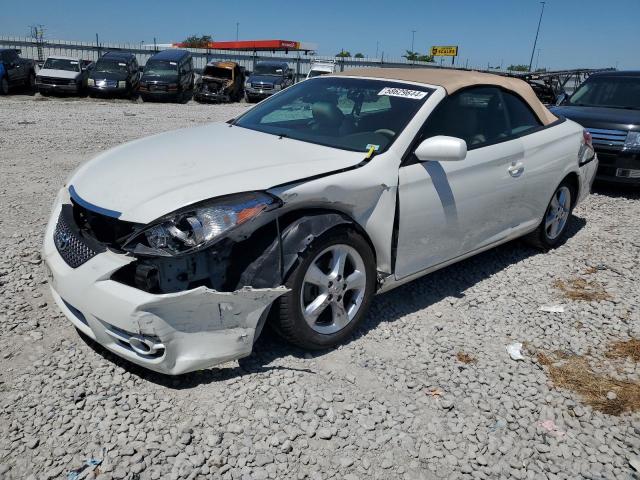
(203, 327)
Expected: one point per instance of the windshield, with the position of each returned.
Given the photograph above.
(268, 70)
(111, 66)
(62, 64)
(612, 92)
(346, 113)
(161, 68)
(218, 72)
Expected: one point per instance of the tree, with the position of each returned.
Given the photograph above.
(518, 68)
(343, 54)
(358, 55)
(195, 41)
(417, 57)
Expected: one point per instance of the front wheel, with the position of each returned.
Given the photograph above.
(331, 290)
(552, 231)
(4, 86)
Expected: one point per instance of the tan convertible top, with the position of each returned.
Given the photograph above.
(454, 80)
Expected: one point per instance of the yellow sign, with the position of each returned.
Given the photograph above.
(444, 51)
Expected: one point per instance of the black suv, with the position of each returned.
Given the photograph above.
(607, 104)
(168, 75)
(115, 73)
(15, 70)
(266, 79)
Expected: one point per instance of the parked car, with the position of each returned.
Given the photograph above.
(15, 71)
(321, 67)
(115, 74)
(266, 79)
(168, 75)
(63, 75)
(607, 104)
(220, 82)
(172, 251)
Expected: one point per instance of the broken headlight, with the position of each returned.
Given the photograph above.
(199, 226)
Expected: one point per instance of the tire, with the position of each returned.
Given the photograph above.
(552, 230)
(343, 308)
(4, 86)
(31, 82)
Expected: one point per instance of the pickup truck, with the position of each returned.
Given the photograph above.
(15, 71)
(63, 75)
(267, 78)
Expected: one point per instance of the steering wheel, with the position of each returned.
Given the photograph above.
(386, 132)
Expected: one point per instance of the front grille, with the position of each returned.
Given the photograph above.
(608, 139)
(71, 244)
(262, 86)
(104, 229)
(56, 81)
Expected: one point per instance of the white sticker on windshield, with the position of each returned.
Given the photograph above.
(172, 63)
(122, 64)
(403, 93)
(73, 62)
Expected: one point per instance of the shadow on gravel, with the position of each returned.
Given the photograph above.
(630, 192)
(451, 281)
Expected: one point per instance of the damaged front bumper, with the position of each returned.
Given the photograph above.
(170, 333)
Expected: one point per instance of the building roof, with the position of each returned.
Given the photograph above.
(453, 80)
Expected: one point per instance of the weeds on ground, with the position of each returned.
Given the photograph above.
(581, 289)
(465, 358)
(575, 373)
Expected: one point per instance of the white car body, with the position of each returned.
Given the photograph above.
(444, 212)
(321, 67)
(61, 80)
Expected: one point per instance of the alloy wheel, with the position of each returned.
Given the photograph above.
(333, 289)
(558, 213)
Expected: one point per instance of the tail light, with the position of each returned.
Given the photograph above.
(588, 139)
(587, 152)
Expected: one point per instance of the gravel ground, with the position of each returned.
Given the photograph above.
(425, 389)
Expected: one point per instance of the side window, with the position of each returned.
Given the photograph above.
(476, 115)
(521, 118)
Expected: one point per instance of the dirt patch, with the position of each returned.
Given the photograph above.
(465, 358)
(624, 350)
(581, 289)
(601, 392)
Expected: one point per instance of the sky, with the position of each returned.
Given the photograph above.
(574, 33)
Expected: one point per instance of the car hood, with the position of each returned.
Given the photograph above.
(108, 76)
(148, 178)
(50, 72)
(271, 79)
(600, 117)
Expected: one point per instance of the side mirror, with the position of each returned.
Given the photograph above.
(441, 149)
(561, 98)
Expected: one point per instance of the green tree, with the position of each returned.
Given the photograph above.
(425, 58)
(195, 41)
(358, 55)
(413, 56)
(518, 68)
(343, 54)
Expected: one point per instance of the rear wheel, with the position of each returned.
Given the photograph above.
(552, 231)
(4, 86)
(31, 82)
(331, 290)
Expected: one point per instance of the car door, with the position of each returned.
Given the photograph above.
(448, 209)
(13, 66)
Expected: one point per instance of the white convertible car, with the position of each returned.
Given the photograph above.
(174, 250)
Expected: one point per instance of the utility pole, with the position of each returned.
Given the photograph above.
(537, 59)
(237, 30)
(535, 42)
(377, 45)
(413, 36)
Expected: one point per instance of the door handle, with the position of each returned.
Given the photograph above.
(516, 169)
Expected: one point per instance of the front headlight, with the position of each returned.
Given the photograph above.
(277, 86)
(201, 225)
(633, 141)
(122, 84)
(247, 84)
(91, 82)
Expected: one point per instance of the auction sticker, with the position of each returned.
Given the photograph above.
(403, 93)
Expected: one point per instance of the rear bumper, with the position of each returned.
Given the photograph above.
(587, 174)
(619, 167)
(169, 333)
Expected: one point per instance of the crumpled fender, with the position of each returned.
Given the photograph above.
(272, 267)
